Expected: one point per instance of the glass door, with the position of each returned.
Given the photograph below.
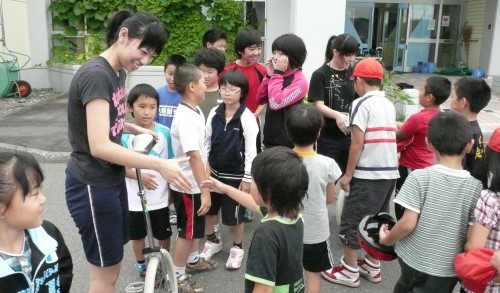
(399, 60)
(359, 23)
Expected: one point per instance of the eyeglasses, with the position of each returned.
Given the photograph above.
(230, 92)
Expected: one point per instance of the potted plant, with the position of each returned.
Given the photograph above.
(401, 99)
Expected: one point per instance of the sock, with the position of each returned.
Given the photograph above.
(238, 245)
(179, 271)
(212, 238)
(193, 257)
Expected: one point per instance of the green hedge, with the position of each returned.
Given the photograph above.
(183, 19)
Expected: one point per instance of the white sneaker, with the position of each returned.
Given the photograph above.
(343, 275)
(210, 249)
(369, 270)
(235, 258)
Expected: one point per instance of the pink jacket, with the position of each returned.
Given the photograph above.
(277, 94)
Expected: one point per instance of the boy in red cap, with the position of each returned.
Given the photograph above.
(485, 231)
(371, 173)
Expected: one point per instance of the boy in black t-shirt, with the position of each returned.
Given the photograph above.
(275, 255)
(469, 96)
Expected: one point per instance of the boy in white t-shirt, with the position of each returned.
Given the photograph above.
(142, 104)
(188, 140)
(371, 172)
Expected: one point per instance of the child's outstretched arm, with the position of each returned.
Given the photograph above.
(402, 228)
(243, 198)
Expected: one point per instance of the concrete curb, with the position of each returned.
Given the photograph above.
(41, 155)
(18, 110)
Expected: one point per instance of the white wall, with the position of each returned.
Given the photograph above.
(27, 31)
(314, 21)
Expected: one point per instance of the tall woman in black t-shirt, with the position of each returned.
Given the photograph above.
(96, 194)
(331, 90)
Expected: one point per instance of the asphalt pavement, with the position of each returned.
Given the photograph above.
(217, 281)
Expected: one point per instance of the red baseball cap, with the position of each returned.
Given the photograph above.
(494, 142)
(474, 268)
(369, 68)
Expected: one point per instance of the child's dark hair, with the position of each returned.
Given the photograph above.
(449, 133)
(18, 171)
(345, 44)
(491, 168)
(142, 90)
(184, 74)
(174, 59)
(238, 79)
(303, 123)
(212, 36)
(293, 47)
(211, 58)
(144, 26)
(246, 38)
(439, 87)
(475, 90)
(281, 179)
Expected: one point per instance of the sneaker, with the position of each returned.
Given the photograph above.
(173, 217)
(343, 275)
(186, 285)
(248, 216)
(141, 268)
(369, 270)
(235, 258)
(201, 265)
(210, 249)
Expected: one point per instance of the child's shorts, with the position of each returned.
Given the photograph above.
(160, 224)
(101, 216)
(189, 224)
(317, 257)
(231, 211)
(366, 197)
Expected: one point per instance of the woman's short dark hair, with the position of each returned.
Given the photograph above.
(236, 78)
(491, 169)
(281, 179)
(345, 44)
(293, 47)
(144, 26)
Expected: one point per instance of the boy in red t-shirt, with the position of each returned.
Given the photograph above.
(416, 154)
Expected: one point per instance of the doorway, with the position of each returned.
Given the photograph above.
(407, 34)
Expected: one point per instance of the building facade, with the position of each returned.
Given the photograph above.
(404, 33)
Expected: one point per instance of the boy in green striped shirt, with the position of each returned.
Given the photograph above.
(439, 204)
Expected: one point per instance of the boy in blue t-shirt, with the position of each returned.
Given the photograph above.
(169, 100)
(169, 97)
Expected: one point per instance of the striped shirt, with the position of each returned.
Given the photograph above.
(375, 115)
(445, 199)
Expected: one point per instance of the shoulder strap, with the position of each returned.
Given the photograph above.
(259, 74)
(355, 110)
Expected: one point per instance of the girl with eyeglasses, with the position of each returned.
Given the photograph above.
(231, 131)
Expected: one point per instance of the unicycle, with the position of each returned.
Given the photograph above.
(160, 274)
